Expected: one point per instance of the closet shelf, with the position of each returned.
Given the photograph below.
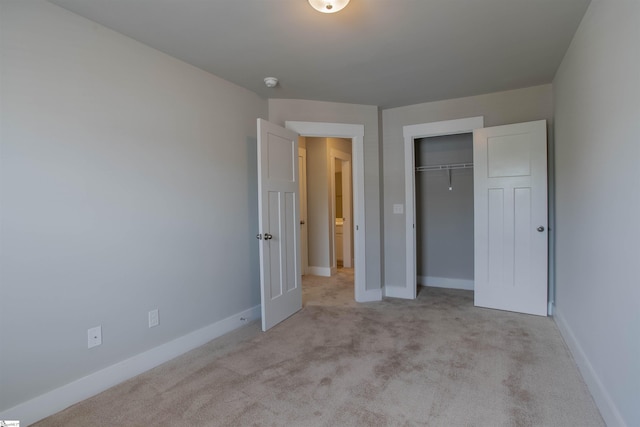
(444, 167)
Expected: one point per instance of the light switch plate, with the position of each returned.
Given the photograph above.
(398, 209)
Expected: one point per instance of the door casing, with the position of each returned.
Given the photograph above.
(355, 132)
(411, 132)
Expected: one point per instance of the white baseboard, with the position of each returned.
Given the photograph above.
(320, 271)
(58, 399)
(607, 407)
(445, 282)
(369, 295)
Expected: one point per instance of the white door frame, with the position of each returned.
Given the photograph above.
(356, 134)
(345, 159)
(411, 132)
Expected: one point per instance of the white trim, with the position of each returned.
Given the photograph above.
(356, 134)
(319, 271)
(445, 282)
(60, 398)
(411, 132)
(606, 405)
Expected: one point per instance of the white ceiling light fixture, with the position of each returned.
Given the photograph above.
(328, 6)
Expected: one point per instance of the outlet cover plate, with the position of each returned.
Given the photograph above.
(94, 337)
(154, 319)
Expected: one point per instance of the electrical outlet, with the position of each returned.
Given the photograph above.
(94, 336)
(398, 209)
(154, 320)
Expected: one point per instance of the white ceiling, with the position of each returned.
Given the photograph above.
(378, 52)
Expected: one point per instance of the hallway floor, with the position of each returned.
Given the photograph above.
(337, 291)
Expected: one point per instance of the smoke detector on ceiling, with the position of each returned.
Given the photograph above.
(271, 81)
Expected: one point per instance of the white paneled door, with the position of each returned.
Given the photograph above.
(510, 204)
(278, 223)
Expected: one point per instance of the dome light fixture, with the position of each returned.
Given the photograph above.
(328, 6)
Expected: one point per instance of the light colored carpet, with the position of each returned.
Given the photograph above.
(435, 361)
(336, 291)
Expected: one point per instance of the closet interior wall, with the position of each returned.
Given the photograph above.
(444, 218)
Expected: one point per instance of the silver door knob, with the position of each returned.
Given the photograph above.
(267, 236)
(540, 229)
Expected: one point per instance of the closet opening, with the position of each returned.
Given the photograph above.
(411, 134)
(444, 210)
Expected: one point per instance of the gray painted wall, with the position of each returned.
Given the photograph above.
(498, 108)
(444, 225)
(281, 110)
(318, 202)
(597, 97)
(115, 166)
(115, 169)
(319, 209)
(344, 145)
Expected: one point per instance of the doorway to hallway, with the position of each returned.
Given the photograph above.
(335, 291)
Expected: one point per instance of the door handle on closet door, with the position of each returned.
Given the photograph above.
(540, 229)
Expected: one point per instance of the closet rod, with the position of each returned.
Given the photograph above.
(444, 167)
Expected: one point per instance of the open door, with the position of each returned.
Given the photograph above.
(278, 222)
(510, 210)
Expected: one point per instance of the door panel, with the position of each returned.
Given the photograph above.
(278, 221)
(510, 203)
(288, 235)
(272, 250)
(495, 237)
(509, 156)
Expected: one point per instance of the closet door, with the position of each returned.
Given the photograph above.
(510, 211)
